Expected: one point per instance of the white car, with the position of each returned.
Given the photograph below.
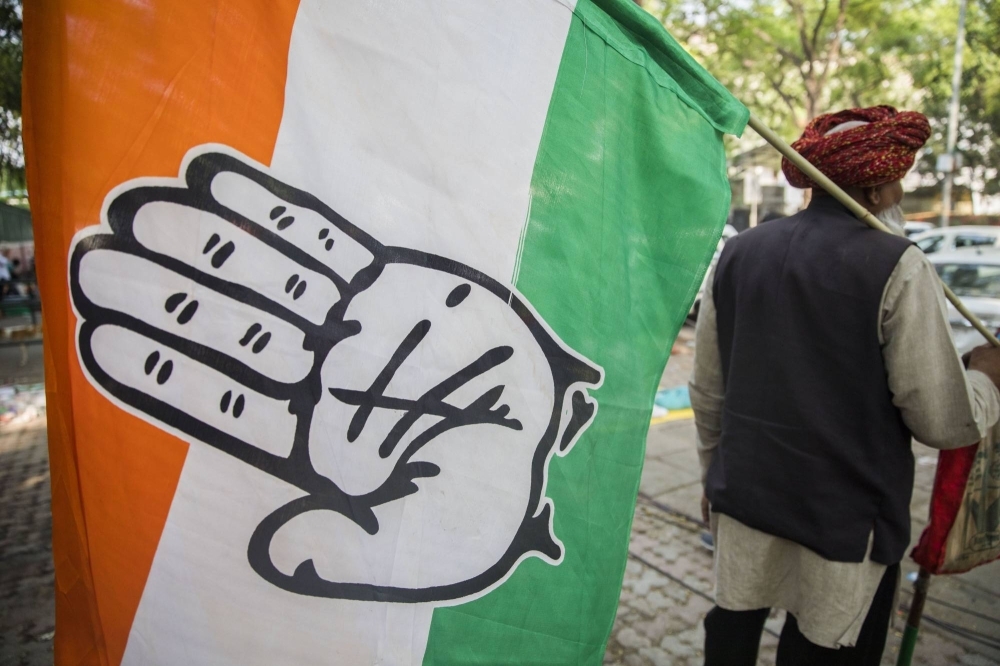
(955, 238)
(728, 232)
(974, 276)
(911, 229)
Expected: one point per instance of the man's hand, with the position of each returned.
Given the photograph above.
(985, 359)
(410, 403)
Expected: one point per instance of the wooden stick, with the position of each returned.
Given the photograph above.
(865, 216)
(909, 642)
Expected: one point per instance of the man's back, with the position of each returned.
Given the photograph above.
(829, 346)
(812, 448)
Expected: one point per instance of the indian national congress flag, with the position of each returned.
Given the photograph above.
(354, 316)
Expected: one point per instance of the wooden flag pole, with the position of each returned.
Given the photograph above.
(817, 177)
(909, 642)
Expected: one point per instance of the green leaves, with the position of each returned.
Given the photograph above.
(791, 60)
(11, 149)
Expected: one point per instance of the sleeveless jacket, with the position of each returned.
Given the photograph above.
(812, 448)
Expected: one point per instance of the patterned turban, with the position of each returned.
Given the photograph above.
(860, 147)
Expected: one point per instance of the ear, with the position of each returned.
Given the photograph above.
(873, 195)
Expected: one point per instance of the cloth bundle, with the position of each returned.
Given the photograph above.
(880, 149)
(964, 527)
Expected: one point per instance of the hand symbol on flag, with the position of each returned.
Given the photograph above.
(413, 402)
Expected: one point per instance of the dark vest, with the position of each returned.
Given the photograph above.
(812, 448)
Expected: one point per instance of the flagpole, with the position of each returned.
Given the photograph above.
(909, 642)
(864, 215)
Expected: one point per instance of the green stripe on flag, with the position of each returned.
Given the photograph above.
(629, 196)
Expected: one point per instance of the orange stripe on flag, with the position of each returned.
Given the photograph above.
(116, 90)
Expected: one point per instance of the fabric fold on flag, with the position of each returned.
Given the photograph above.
(355, 314)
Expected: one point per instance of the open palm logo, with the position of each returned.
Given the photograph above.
(413, 402)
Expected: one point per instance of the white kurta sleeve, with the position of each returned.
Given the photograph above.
(706, 386)
(944, 406)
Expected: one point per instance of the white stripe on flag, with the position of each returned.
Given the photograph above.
(419, 122)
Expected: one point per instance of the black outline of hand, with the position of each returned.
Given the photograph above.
(571, 375)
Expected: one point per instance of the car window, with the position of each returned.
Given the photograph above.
(976, 280)
(974, 240)
(931, 243)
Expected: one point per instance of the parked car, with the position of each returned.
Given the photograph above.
(955, 238)
(728, 232)
(911, 229)
(974, 276)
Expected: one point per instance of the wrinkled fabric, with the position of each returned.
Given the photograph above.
(964, 527)
(879, 151)
(528, 180)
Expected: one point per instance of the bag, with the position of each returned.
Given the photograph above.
(964, 527)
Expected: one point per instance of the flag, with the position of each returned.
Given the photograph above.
(354, 316)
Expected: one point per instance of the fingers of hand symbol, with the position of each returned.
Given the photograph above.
(172, 304)
(184, 392)
(216, 248)
(302, 227)
(228, 284)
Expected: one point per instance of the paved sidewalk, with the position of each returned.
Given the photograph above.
(21, 350)
(668, 580)
(26, 576)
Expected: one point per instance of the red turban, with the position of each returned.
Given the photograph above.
(879, 146)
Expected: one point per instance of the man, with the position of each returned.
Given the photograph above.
(822, 347)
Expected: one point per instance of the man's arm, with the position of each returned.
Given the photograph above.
(944, 406)
(706, 386)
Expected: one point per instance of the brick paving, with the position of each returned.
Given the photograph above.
(26, 575)
(668, 589)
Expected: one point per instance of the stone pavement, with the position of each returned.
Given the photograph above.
(27, 607)
(26, 598)
(20, 362)
(668, 580)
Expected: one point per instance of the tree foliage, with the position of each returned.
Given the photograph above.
(791, 60)
(11, 150)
